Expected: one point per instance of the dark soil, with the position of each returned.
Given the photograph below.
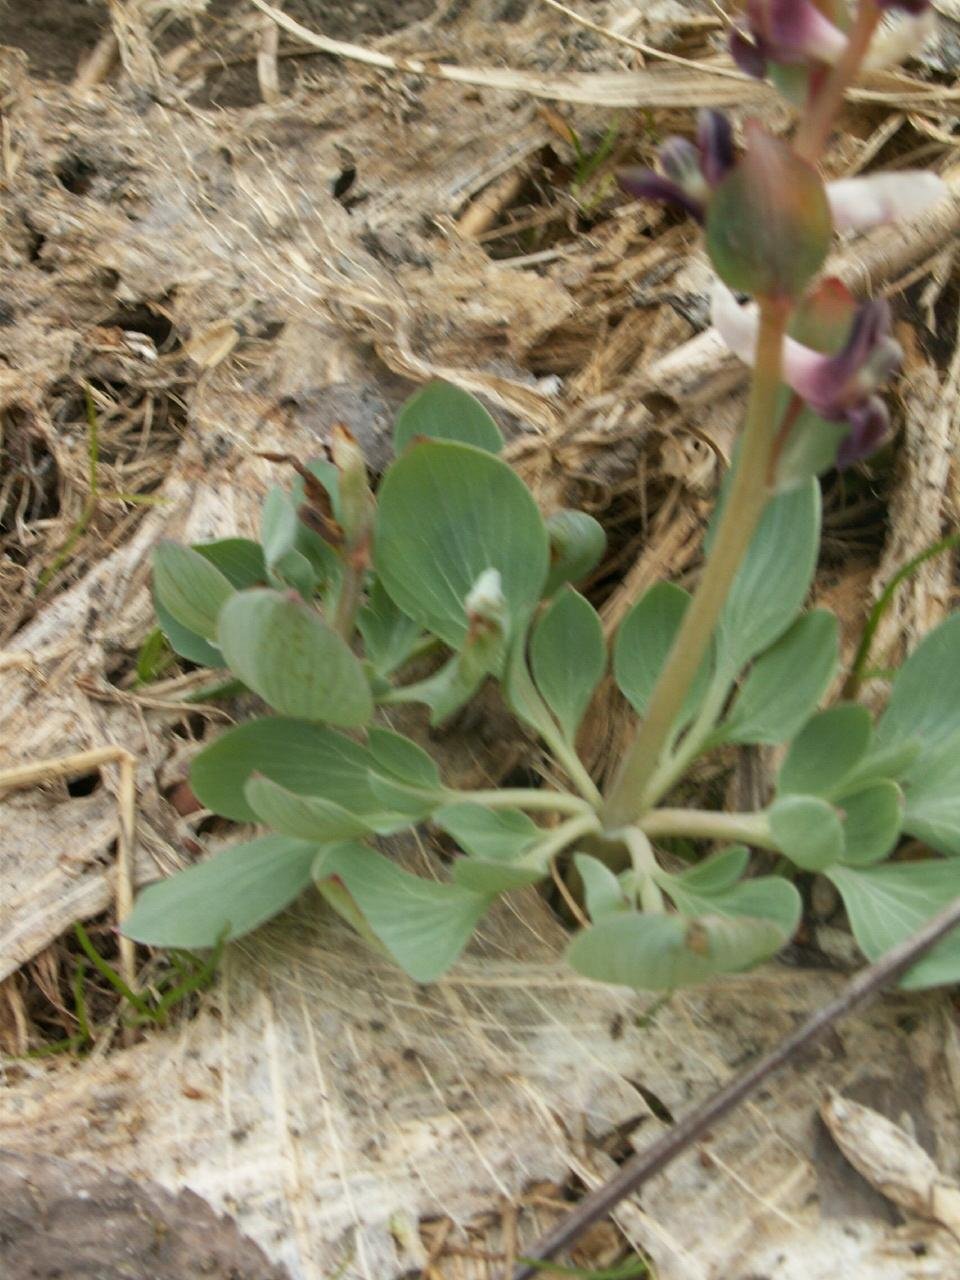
(59, 1219)
(55, 34)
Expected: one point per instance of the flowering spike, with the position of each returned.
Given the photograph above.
(796, 31)
(838, 387)
(768, 223)
(786, 32)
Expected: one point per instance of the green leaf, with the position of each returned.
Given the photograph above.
(424, 924)
(447, 513)
(768, 222)
(153, 657)
(495, 835)
(808, 830)
(240, 560)
(577, 544)
(278, 526)
(644, 639)
(185, 642)
(282, 650)
(933, 799)
(768, 898)
(305, 817)
(603, 893)
(305, 758)
(785, 684)
(389, 636)
(281, 534)
(925, 698)
(224, 897)
(773, 578)
(568, 657)
(444, 412)
(881, 763)
(924, 708)
(189, 588)
(887, 904)
(404, 759)
(663, 952)
(872, 820)
(520, 691)
(715, 874)
(825, 751)
(810, 450)
(493, 877)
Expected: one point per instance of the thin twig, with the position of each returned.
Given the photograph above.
(648, 50)
(675, 1141)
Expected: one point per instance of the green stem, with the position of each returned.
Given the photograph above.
(744, 506)
(676, 762)
(530, 798)
(816, 124)
(702, 824)
(854, 680)
(644, 865)
(573, 766)
(585, 824)
(348, 601)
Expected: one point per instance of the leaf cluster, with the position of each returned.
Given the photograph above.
(449, 577)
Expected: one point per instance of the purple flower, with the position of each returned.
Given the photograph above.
(798, 33)
(840, 386)
(689, 171)
(790, 32)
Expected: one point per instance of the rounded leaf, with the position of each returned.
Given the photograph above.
(825, 751)
(305, 758)
(568, 656)
(577, 544)
(808, 830)
(442, 411)
(872, 820)
(785, 684)
(662, 952)
(189, 588)
(224, 897)
(446, 514)
(282, 650)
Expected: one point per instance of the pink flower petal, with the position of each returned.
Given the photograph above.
(738, 326)
(861, 203)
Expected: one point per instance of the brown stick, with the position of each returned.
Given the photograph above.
(669, 1145)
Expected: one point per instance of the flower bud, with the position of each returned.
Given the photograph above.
(356, 499)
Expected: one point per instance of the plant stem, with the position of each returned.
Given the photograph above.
(704, 824)
(678, 760)
(530, 798)
(585, 824)
(644, 865)
(348, 601)
(741, 515)
(815, 126)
